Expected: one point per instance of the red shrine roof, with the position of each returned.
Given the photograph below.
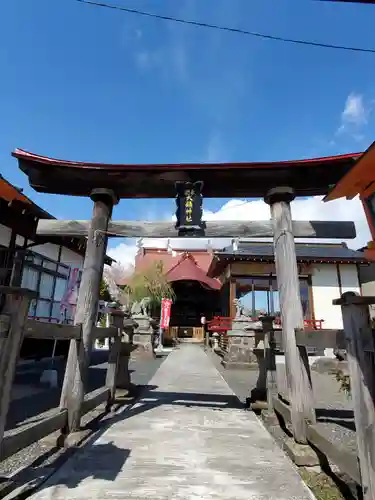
(13, 195)
(188, 269)
(147, 256)
(359, 180)
(309, 177)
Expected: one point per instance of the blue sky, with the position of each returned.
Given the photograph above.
(85, 83)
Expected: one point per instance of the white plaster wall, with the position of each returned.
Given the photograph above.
(71, 258)
(51, 251)
(325, 288)
(5, 234)
(368, 289)
(48, 250)
(349, 278)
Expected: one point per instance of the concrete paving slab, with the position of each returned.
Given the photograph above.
(187, 438)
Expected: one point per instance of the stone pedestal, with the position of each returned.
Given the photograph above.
(128, 327)
(259, 393)
(123, 380)
(143, 332)
(242, 340)
(215, 341)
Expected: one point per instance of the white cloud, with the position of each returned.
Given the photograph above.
(354, 116)
(124, 254)
(354, 111)
(302, 209)
(215, 148)
(148, 59)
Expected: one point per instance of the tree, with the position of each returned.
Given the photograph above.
(137, 284)
(150, 282)
(104, 292)
(115, 276)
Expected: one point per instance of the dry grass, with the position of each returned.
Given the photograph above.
(321, 485)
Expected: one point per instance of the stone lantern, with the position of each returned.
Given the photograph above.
(125, 327)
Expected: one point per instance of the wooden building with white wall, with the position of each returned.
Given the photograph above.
(247, 272)
(44, 264)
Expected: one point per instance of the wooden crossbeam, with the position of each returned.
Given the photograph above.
(341, 230)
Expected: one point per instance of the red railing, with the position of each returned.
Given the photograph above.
(222, 324)
(219, 324)
(314, 324)
(310, 324)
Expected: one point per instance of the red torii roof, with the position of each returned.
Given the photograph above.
(188, 269)
(309, 177)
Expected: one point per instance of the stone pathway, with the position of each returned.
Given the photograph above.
(187, 438)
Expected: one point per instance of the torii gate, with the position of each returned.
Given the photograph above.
(278, 183)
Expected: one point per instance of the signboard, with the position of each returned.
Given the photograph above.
(165, 314)
(189, 208)
(69, 300)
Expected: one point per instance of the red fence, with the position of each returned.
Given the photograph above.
(222, 324)
(219, 324)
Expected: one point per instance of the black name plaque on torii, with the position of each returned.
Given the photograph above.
(189, 209)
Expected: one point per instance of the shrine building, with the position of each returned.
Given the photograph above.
(206, 281)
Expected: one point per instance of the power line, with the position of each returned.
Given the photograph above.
(367, 2)
(225, 28)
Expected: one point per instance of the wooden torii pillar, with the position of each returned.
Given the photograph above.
(73, 390)
(296, 362)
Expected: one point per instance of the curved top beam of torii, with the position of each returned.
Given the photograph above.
(308, 177)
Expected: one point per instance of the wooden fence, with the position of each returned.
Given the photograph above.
(357, 338)
(14, 326)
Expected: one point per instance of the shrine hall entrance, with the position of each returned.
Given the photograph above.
(192, 301)
(196, 295)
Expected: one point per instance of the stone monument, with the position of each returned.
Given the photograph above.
(242, 340)
(125, 326)
(144, 329)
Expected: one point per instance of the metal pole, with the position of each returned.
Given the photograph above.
(253, 313)
(161, 331)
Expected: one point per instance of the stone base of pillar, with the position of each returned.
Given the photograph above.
(258, 394)
(242, 340)
(144, 351)
(142, 336)
(270, 419)
(123, 379)
(240, 353)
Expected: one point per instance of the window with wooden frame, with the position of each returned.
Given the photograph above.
(49, 279)
(259, 295)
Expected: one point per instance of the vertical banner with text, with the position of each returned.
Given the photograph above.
(165, 314)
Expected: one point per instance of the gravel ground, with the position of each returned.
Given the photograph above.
(28, 410)
(334, 407)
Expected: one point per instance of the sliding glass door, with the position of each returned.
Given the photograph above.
(259, 295)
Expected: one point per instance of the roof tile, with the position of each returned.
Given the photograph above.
(304, 251)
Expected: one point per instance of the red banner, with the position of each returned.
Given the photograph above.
(165, 315)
